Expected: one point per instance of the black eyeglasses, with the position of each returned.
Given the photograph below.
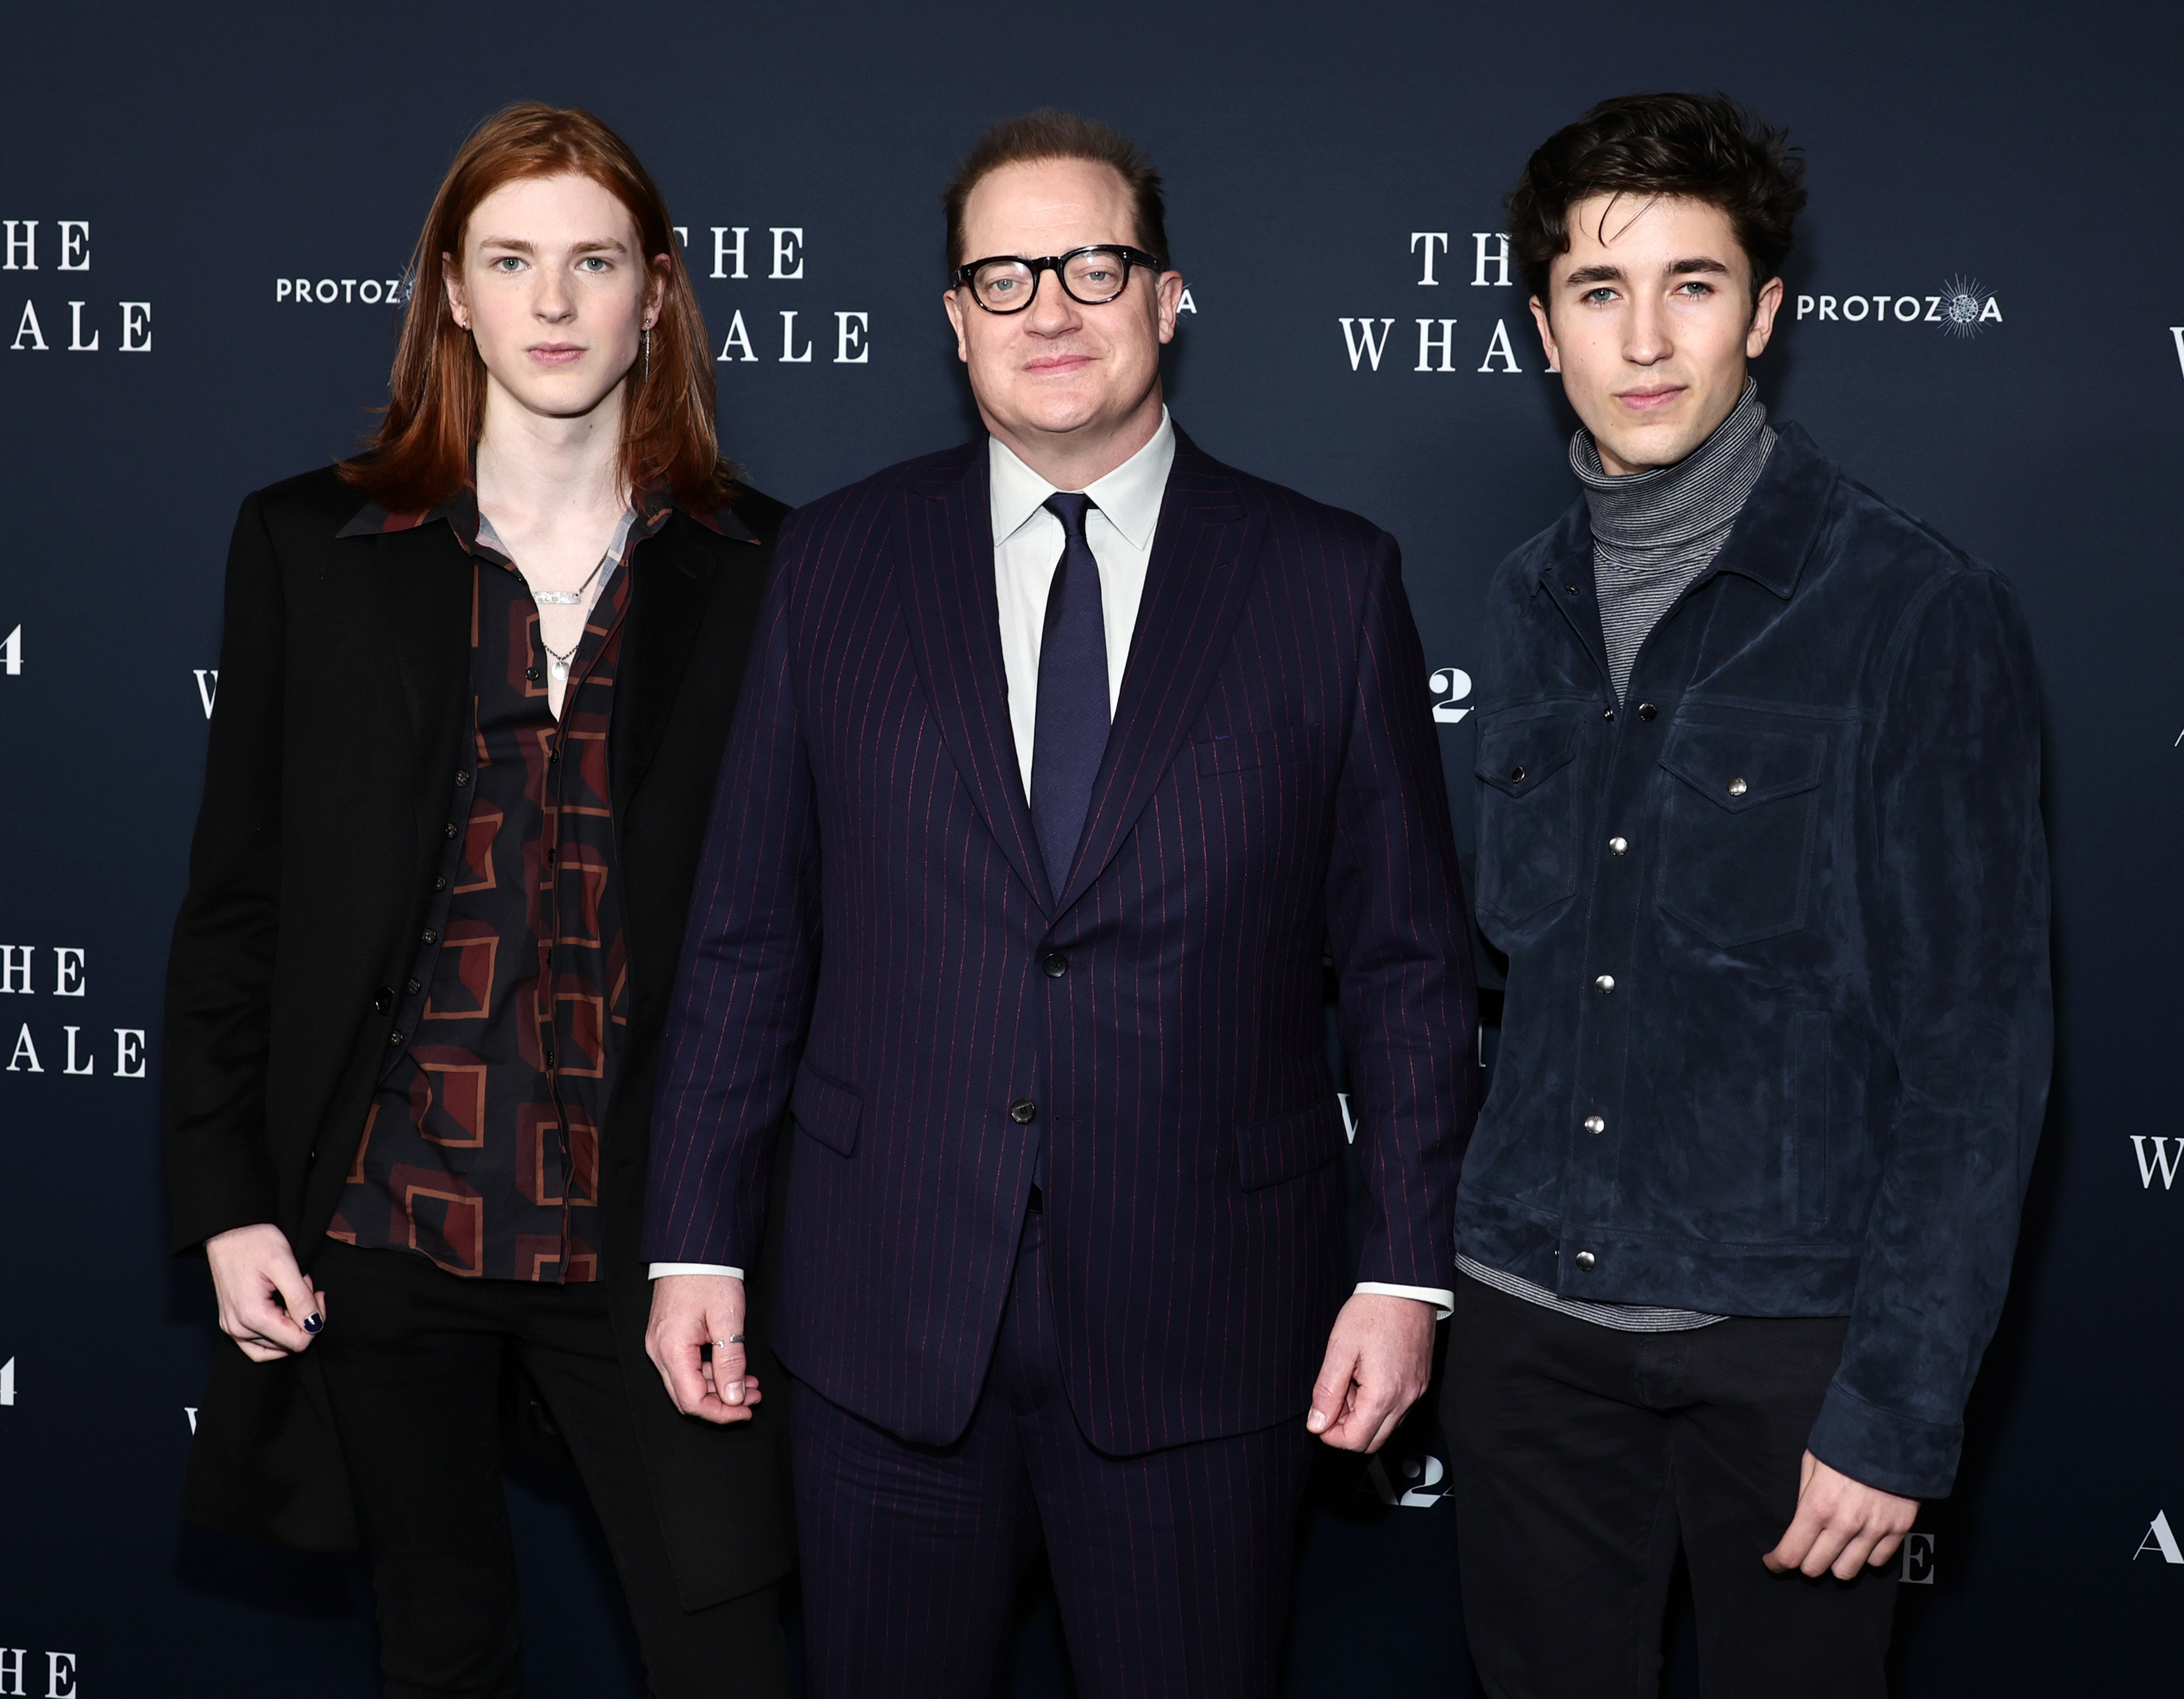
(1090, 276)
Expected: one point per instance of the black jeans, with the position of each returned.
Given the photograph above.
(1585, 1456)
(413, 1360)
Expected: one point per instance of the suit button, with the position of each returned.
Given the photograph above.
(1604, 983)
(1056, 964)
(462, 778)
(413, 987)
(451, 828)
(1584, 1258)
(1647, 710)
(430, 935)
(439, 884)
(1617, 846)
(382, 999)
(532, 674)
(394, 1038)
(1024, 1111)
(1594, 1123)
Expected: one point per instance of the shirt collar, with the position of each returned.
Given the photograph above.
(1130, 495)
(650, 506)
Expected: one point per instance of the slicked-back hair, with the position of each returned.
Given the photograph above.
(1051, 134)
(1686, 146)
(421, 452)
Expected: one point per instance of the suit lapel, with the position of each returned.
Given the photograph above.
(1204, 560)
(954, 621)
(426, 583)
(670, 582)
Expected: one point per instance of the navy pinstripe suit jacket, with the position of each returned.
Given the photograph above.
(868, 949)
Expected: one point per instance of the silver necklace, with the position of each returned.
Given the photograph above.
(565, 599)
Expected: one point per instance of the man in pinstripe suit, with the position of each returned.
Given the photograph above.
(1081, 753)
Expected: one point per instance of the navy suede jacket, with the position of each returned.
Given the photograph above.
(1778, 1026)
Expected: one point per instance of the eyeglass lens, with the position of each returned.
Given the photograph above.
(1092, 278)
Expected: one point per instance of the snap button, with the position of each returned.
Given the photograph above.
(1584, 1258)
(1647, 710)
(1608, 715)
(1617, 846)
(1595, 1124)
(1517, 775)
(1737, 786)
(1605, 983)
(1024, 1111)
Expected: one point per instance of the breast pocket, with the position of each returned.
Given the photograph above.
(1527, 812)
(1739, 816)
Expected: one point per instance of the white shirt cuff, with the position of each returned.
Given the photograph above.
(1442, 1300)
(662, 1270)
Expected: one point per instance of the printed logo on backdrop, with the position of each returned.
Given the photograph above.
(2159, 1540)
(92, 325)
(1440, 346)
(48, 1043)
(2159, 1158)
(18, 1666)
(1964, 308)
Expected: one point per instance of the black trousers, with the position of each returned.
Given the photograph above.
(413, 1359)
(1172, 1568)
(1585, 1457)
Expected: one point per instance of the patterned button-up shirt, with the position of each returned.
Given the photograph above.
(481, 1148)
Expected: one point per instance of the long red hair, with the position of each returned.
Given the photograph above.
(421, 452)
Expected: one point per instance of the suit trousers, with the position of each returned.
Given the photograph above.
(1172, 1568)
(413, 1359)
(1585, 1457)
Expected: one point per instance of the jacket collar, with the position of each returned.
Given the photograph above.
(1770, 543)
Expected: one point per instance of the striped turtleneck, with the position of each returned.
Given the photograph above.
(1654, 531)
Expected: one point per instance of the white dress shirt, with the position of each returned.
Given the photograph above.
(1028, 543)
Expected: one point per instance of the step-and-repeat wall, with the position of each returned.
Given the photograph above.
(206, 215)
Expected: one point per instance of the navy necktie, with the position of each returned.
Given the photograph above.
(1070, 735)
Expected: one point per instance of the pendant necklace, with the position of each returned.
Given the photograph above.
(556, 662)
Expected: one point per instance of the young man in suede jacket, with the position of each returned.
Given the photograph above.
(1760, 836)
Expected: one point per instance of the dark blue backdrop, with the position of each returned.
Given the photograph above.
(167, 178)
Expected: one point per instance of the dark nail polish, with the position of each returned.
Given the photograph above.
(313, 1324)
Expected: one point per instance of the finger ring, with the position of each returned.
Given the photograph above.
(733, 1338)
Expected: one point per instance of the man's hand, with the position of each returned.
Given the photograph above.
(1840, 1524)
(255, 1274)
(1379, 1359)
(690, 1312)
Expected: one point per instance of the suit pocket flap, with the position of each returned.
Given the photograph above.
(1739, 767)
(1268, 1152)
(1515, 755)
(825, 1110)
(1234, 751)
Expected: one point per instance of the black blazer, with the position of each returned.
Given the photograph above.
(335, 738)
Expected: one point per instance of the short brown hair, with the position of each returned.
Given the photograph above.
(421, 452)
(1687, 147)
(1049, 134)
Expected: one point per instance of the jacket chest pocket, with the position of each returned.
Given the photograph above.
(1527, 812)
(1739, 817)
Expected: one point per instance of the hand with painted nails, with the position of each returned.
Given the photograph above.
(268, 1304)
